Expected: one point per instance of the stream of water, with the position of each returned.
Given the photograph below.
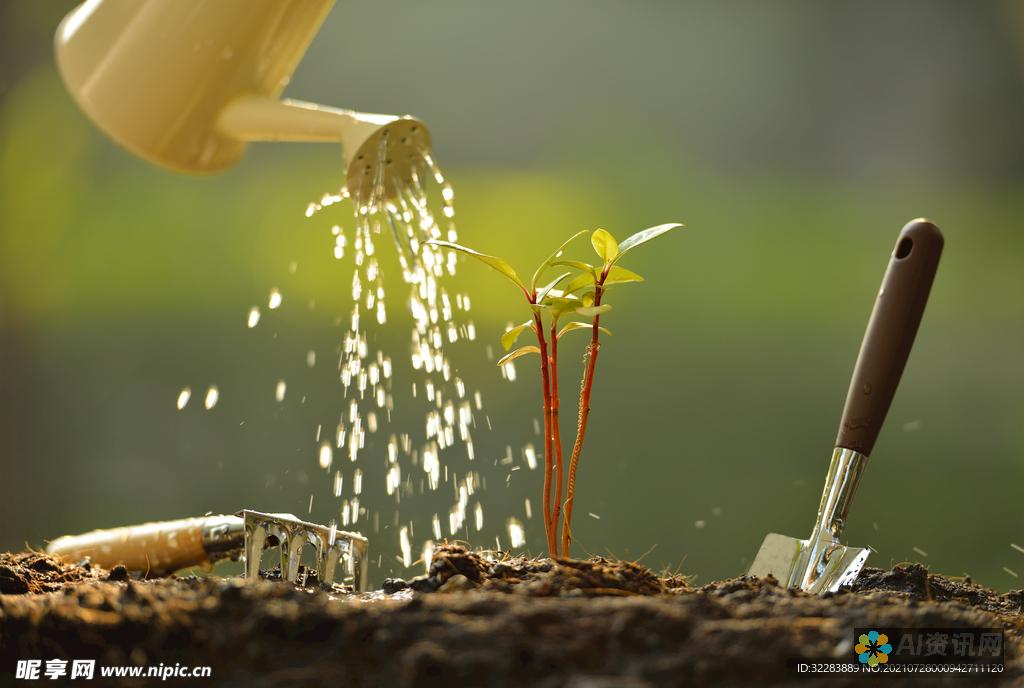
(440, 458)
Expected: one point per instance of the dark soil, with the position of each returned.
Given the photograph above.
(484, 621)
(32, 572)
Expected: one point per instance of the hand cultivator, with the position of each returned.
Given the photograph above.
(156, 549)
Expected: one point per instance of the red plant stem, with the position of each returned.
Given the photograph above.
(546, 385)
(581, 427)
(556, 431)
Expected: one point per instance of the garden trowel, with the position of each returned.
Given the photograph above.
(822, 563)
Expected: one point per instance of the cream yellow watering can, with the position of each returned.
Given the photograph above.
(187, 84)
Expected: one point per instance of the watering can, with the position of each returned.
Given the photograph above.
(187, 84)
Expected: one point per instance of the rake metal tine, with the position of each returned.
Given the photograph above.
(327, 560)
(255, 538)
(294, 554)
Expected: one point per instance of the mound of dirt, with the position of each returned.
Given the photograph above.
(35, 572)
(484, 619)
(454, 567)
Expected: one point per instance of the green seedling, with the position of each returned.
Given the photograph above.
(579, 291)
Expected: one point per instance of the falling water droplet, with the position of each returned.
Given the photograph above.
(428, 554)
(254, 317)
(516, 533)
(183, 396)
(326, 455)
(403, 537)
(212, 396)
(531, 456)
(275, 299)
(280, 390)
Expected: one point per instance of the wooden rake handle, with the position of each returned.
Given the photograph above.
(152, 548)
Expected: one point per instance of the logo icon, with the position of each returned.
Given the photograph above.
(873, 648)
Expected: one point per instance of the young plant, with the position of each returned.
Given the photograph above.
(583, 295)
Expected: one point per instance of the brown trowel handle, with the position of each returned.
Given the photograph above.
(890, 334)
(150, 548)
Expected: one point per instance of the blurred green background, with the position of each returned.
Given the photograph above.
(794, 139)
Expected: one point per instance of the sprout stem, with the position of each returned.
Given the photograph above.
(556, 431)
(538, 326)
(586, 387)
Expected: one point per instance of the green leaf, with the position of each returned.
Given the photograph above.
(577, 264)
(562, 305)
(510, 337)
(617, 275)
(521, 351)
(580, 281)
(574, 325)
(645, 235)
(550, 260)
(591, 311)
(605, 245)
(587, 298)
(496, 263)
(543, 291)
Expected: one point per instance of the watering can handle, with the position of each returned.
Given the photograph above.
(890, 334)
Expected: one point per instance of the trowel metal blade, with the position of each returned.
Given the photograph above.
(786, 559)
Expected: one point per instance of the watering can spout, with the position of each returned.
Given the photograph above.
(187, 84)
(258, 118)
(368, 141)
